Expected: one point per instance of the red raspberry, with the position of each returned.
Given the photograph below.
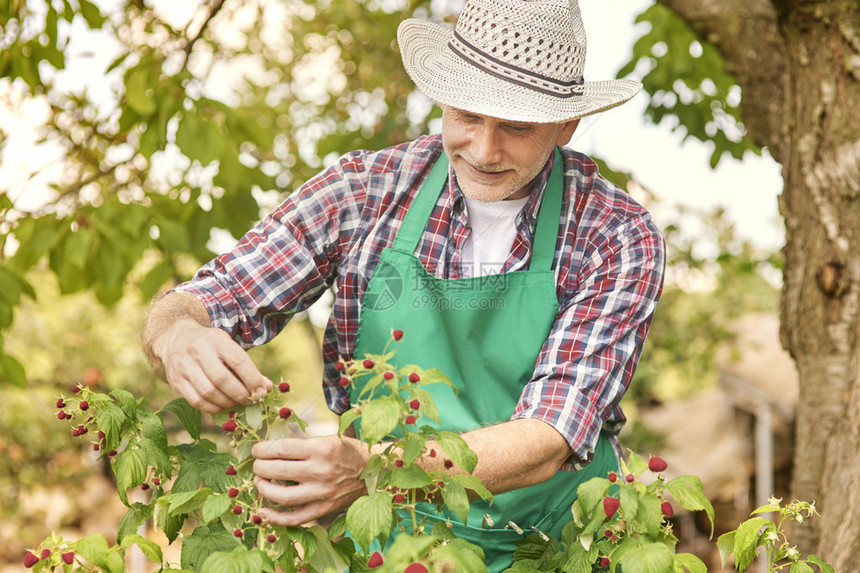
(666, 508)
(30, 559)
(397, 334)
(368, 363)
(112, 453)
(388, 375)
(410, 419)
(233, 414)
(84, 405)
(414, 404)
(398, 463)
(414, 377)
(630, 478)
(101, 435)
(61, 415)
(610, 505)
(656, 464)
(76, 389)
(232, 492)
(344, 381)
(449, 464)
(614, 538)
(340, 366)
(68, 557)
(284, 387)
(415, 568)
(285, 413)
(231, 470)
(257, 520)
(613, 476)
(144, 486)
(61, 403)
(237, 532)
(229, 426)
(604, 562)
(95, 447)
(432, 453)
(375, 560)
(46, 553)
(399, 498)
(271, 538)
(237, 509)
(156, 481)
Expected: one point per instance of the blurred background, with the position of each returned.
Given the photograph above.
(142, 137)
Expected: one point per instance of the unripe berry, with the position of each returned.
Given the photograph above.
(232, 492)
(397, 334)
(414, 377)
(367, 363)
(656, 464)
(284, 387)
(285, 413)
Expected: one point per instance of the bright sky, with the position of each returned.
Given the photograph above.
(675, 171)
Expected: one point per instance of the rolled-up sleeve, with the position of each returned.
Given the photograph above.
(590, 355)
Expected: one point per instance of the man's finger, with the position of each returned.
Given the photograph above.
(242, 367)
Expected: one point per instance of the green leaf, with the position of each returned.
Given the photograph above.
(203, 542)
(650, 513)
(77, 247)
(475, 484)
(185, 501)
(152, 428)
(689, 562)
(238, 561)
(746, 541)
(188, 415)
(578, 559)
(91, 14)
(629, 498)
(457, 450)
(726, 546)
(150, 549)
(455, 497)
(130, 468)
(94, 548)
(156, 277)
(410, 477)
(413, 447)
(202, 466)
(347, 418)
(138, 91)
(325, 556)
(825, 567)
(12, 371)
(132, 520)
(379, 417)
(800, 567)
(688, 491)
(428, 405)
(370, 517)
(126, 402)
(647, 558)
(110, 420)
(215, 506)
(592, 492)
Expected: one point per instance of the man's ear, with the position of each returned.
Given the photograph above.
(566, 131)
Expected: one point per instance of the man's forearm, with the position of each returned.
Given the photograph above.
(164, 314)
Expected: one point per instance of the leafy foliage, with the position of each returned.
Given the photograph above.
(686, 78)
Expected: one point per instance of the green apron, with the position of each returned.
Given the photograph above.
(485, 333)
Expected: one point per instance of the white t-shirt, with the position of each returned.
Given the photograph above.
(493, 232)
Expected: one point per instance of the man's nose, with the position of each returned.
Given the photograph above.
(486, 145)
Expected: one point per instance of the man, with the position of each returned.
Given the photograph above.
(524, 276)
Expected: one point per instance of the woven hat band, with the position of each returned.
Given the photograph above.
(520, 76)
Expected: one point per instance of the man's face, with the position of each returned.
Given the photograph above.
(496, 159)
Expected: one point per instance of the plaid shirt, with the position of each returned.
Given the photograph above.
(609, 272)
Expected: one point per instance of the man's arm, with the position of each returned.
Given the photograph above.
(203, 364)
(326, 470)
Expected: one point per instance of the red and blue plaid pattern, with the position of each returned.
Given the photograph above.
(609, 270)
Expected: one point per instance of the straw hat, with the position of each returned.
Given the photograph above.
(520, 60)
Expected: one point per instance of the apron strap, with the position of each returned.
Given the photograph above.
(546, 230)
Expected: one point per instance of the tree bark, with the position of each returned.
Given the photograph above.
(798, 64)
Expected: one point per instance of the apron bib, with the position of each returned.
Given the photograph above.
(485, 334)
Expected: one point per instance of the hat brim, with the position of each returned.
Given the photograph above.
(448, 80)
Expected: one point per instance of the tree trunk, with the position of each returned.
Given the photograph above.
(798, 64)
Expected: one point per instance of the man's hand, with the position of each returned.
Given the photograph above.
(203, 364)
(324, 472)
